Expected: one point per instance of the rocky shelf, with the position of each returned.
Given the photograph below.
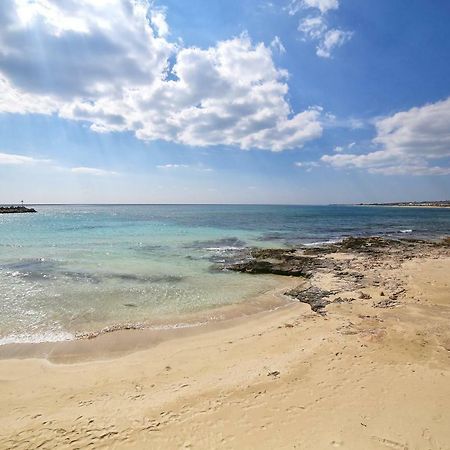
(345, 263)
(16, 210)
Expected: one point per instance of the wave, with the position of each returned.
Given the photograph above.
(223, 249)
(47, 336)
(318, 243)
(217, 243)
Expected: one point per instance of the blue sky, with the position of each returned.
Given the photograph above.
(303, 101)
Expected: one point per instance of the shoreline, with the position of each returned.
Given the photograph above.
(119, 340)
(369, 369)
(405, 206)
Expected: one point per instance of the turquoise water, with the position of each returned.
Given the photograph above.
(74, 269)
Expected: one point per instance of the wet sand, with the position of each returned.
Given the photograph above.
(371, 372)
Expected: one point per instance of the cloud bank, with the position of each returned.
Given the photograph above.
(110, 63)
(411, 142)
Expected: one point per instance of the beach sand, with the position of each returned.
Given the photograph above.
(371, 373)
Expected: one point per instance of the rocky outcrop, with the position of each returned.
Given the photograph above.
(347, 272)
(277, 262)
(313, 296)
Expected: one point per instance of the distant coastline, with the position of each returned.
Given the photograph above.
(16, 210)
(427, 204)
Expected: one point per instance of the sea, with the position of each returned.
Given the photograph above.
(68, 270)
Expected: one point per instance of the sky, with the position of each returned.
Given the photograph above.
(237, 101)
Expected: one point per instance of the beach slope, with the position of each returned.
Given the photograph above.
(369, 370)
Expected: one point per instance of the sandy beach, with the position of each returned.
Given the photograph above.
(369, 370)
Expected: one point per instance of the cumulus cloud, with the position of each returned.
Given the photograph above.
(158, 20)
(109, 63)
(315, 27)
(422, 131)
(409, 140)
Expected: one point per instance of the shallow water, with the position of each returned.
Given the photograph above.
(75, 269)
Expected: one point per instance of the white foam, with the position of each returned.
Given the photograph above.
(177, 326)
(25, 338)
(406, 231)
(219, 249)
(314, 244)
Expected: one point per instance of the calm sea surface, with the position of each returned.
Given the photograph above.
(72, 269)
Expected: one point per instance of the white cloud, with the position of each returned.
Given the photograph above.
(92, 171)
(322, 5)
(307, 165)
(315, 28)
(422, 131)
(15, 101)
(11, 159)
(409, 140)
(411, 169)
(332, 39)
(158, 19)
(197, 167)
(173, 166)
(109, 63)
(277, 45)
(338, 149)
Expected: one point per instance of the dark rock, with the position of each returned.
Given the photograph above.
(322, 250)
(364, 243)
(16, 210)
(386, 303)
(274, 374)
(294, 268)
(278, 262)
(313, 296)
(271, 253)
(343, 300)
(445, 242)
